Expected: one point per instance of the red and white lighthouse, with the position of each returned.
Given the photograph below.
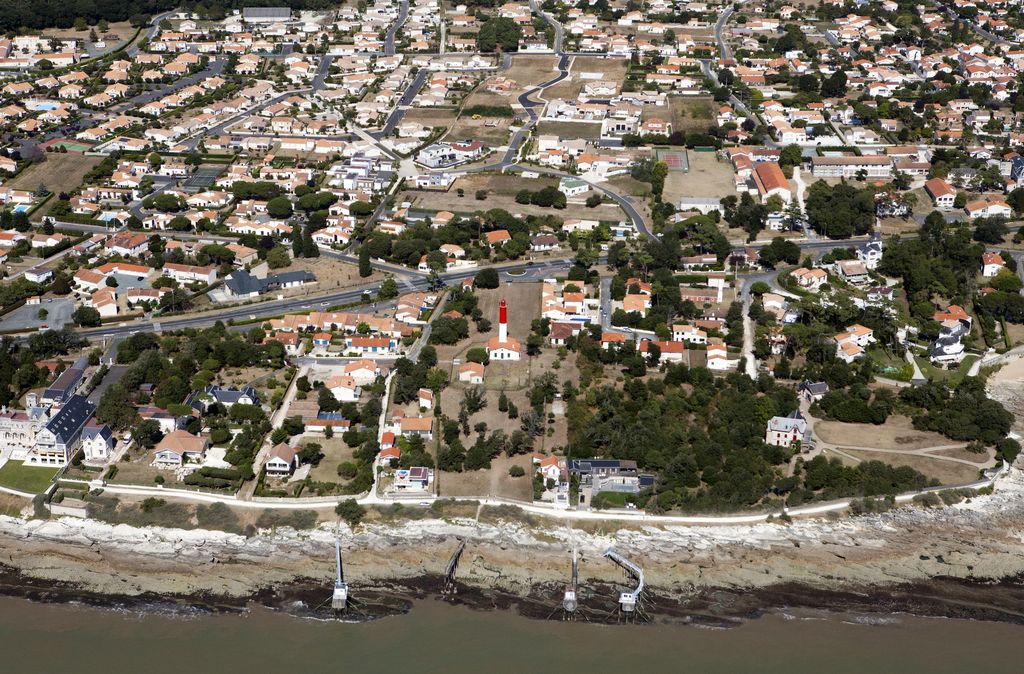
(503, 322)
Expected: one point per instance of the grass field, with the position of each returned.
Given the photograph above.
(335, 451)
(951, 377)
(30, 479)
(630, 186)
(946, 472)
(59, 173)
(896, 433)
(687, 113)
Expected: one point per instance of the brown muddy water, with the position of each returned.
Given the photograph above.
(437, 637)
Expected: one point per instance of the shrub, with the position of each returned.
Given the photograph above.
(516, 471)
(350, 511)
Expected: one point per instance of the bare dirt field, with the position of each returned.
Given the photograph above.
(501, 190)
(116, 32)
(529, 71)
(708, 177)
(584, 130)
(523, 301)
(493, 482)
(687, 113)
(246, 376)
(896, 433)
(491, 131)
(946, 472)
(889, 226)
(587, 69)
(980, 459)
(331, 273)
(431, 117)
(59, 173)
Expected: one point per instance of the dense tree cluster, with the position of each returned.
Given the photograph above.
(840, 211)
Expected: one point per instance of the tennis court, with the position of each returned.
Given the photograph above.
(677, 160)
(202, 179)
(69, 145)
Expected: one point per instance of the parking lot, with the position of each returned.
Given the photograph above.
(58, 312)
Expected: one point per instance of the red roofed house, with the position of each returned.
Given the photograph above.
(770, 181)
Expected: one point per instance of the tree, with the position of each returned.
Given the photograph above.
(279, 207)
(990, 230)
(350, 511)
(115, 408)
(791, 155)
(365, 268)
(834, 86)
(388, 289)
(499, 33)
(360, 208)
(86, 317)
(168, 203)
(486, 278)
(277, 257)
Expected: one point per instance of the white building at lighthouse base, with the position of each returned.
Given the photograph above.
(504, 347)
(507, 349)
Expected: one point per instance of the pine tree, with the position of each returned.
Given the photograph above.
(309, 247)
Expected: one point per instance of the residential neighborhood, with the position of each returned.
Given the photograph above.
(599, 258)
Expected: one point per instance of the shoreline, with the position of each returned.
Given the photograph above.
(721, 608)
(960, 561)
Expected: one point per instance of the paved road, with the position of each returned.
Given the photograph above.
(192, 142)
(536, 8)
(321, 72)
(395, 118)
(389, 37)
(154, 28)
(317, 302)
(723, 18)
(991, 37)
(214, 67)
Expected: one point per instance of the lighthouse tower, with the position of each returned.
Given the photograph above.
(504, 347)
(503, 322)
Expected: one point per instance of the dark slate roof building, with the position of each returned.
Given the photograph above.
(57, 441)
(243, 284)
(266, 14)
(66, 384)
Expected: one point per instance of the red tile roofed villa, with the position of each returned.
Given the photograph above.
(770, 180)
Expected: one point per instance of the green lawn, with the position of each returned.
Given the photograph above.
(30, 479)
(951, 377)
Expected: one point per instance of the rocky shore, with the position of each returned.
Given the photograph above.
(964, 561)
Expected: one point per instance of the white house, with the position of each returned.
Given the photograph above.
(283, 460)
(991, 264)
(786, 431)
(344, 388)
(97, 443)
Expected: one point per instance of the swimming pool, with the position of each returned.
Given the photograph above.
(107, 216)
(41, 105)
(22, 208)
